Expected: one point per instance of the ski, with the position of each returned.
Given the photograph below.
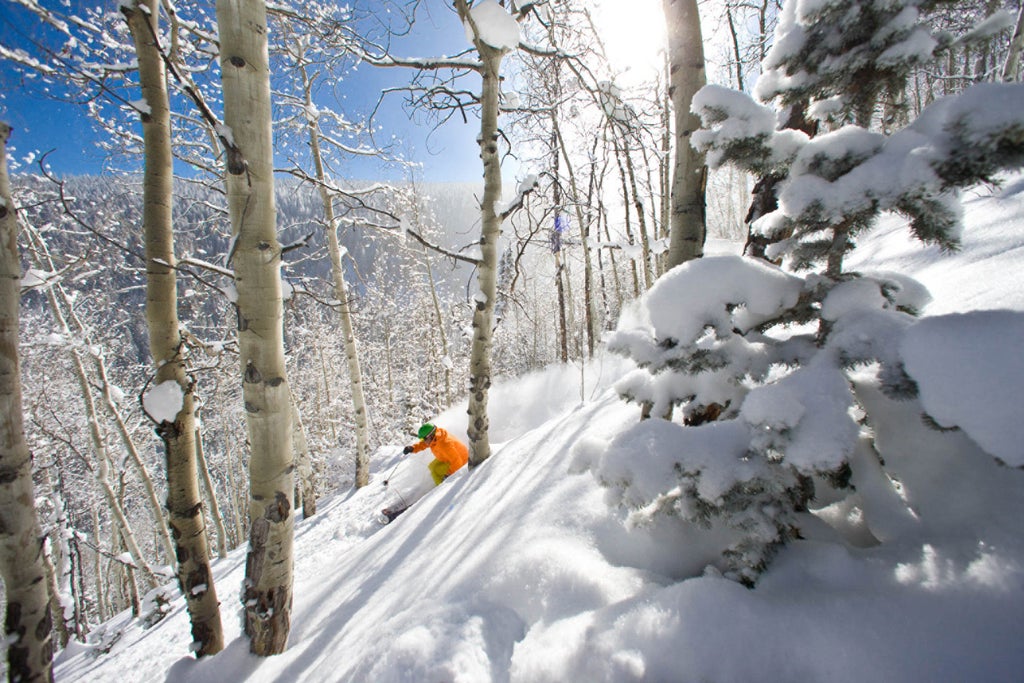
(390, 513)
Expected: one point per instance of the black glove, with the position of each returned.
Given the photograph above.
(407, 450)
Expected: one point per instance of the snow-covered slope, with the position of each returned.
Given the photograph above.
(520, 570)
(984, 274)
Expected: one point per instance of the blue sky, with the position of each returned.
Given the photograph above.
(44, 123)
(40, 123)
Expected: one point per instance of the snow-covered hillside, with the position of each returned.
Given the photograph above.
(522, 570)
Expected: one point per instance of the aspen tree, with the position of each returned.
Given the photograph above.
(505, 31)
(686, 77)
(184, 503)
(256, 255)
(1012, 63)
(490, 231)
(305, 494)
(355, 374)
(211, 494)
(27, 623)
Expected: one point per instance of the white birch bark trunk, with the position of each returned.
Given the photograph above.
(634, 268)
(563, 326)
(665, 175)
(325, 400)
(638, 204)
(56, 558)
(159, 523)
(267, 591)
(441, 334)
(614, 266)
(236, 495)
(305, 492)
(686, 77)
(27, 622)
(62, 626)
(211, 495)
(125, 571)
(184, 504)
(355, 375)
(1010, 66)
(589, 318)
(490, 231)
(102, 601)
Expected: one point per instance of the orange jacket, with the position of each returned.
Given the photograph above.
(445, 448)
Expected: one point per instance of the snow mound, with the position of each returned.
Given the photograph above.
(960, 365)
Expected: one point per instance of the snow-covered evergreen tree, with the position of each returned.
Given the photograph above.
(780, 363)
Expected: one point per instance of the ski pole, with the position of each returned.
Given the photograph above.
(402, 498)
(391, 473)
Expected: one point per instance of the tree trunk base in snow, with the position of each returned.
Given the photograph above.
(267, 617)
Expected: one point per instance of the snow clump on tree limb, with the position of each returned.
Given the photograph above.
(497, 27)
(164, 401)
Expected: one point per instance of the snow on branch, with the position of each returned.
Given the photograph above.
(23, 58)
(424, 63)
(956, 141)
(489, 23)
(205, 265)
(357, 197)
(441, 250)
(163, 401)
(67, 205)
(528, 185)
(987, 28)
(736, 126)
(300, 243)
(234, 159)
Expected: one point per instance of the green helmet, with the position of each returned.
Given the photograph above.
(426, 430)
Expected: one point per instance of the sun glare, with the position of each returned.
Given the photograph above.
(634, 34)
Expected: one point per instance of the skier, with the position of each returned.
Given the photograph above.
(449, 453)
